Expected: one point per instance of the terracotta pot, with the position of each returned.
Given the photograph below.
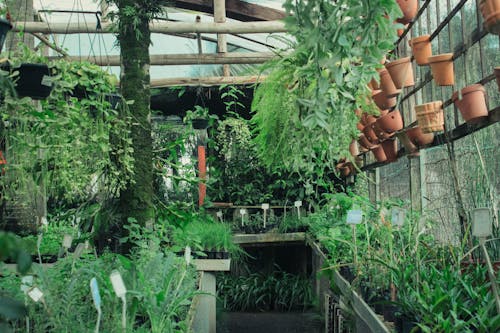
(353, 148)
(422, 49)
(430, 116)
(409, 146)
(370, 134)
(379, 154)
(409, 9)
(391, 122)
(364, 143)
(497, 74)
(472, 106)
(401, 31)
(374, 85)
(382, 101)
(386, 84)
(401, 72)
(365, 117)
(380, 133)
(390, 148)
(360, 126)
(442, 69)
(419, 138)
(490, 9)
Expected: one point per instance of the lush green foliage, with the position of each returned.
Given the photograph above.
(279, 291)
(304, 110)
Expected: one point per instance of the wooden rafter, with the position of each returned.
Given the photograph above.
(235, 9)
(206, 81)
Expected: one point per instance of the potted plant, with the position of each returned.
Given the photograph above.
(30, 79)
(199, 118)
(442, 69)
(422, 49)
(472, 103)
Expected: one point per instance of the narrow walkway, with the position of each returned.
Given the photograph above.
(269, 322)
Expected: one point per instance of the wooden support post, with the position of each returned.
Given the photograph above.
(220, 17)
(198, 36)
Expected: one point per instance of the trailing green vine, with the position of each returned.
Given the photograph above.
(304, 110)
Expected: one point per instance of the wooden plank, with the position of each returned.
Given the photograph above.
(269, 238)
(212, 265)
(206, 81)
(235, 9)
(162, 27)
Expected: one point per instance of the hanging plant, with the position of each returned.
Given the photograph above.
(304, 112)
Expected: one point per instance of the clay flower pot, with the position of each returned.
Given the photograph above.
(419, 138)
(382, 101)
(401, 31)
(490, 9)
(390, 148)
(497, 74)
(422, 49)
(430, 116)
(370, 134)
(391, 122)
(379, 154)
(387, 84)
(364, 143)
(380, 133)
(374, 85)
(409, 9)
(442, 69)
(360, 126)
(472, 106)
(401, 72)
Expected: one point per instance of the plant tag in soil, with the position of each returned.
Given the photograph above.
(35, 294)
(354, 216)
(67, 240)
(26, 283)
(243, 211)
(398, 216)
(297, 204)
(265, 206)
(118, 285)
(481, 222)
(44, 221)
(219, 214)
(96, 296)
(79, 250)
(46, 81)
(187, 255)
(39, 241)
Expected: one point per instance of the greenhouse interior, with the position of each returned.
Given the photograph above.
(241, 166)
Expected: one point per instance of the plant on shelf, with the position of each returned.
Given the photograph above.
(304, 110)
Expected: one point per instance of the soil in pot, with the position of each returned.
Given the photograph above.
(442, 69)
(401, 72)
(419, 138)
(409, 9)
(5, 27)
(391, 122)
(382, 101)
(422, 49)
(387, 84)
(490, 9)
(472, 106)
(430, 116)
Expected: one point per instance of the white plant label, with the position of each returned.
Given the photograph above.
(26, 283)
(265, 206)
(297, 204)
(44, 221)
(187, 255)
(67, 240)
(481, 222)
(35, 294)
(219, 214)
(243, 211)
(354, 216)
(79, 250)
(96, 296)
(118, 285)
(46, 81)
(87, 245)
(39, 241)
(398, 217)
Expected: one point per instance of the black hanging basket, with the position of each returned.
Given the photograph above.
(33, 80)
(200, 123)
(5, 27)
